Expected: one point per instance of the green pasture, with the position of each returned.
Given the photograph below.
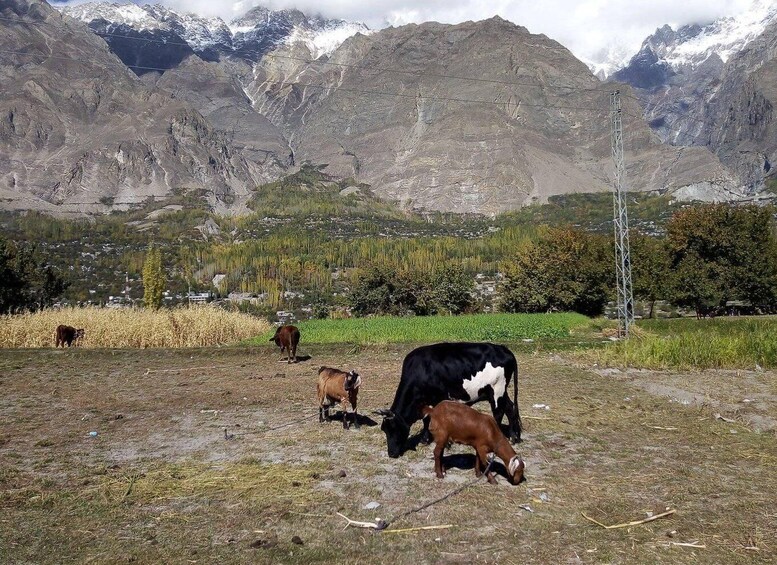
(428, 329)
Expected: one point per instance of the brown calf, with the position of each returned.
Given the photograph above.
(336, 386)
(457, 422)
(68, 334)
(287, 337)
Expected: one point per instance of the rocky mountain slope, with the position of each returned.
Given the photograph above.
(80, 133)
(398, 110)
(476, 117)
(712, 86)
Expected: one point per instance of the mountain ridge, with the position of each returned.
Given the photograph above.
(476, 117)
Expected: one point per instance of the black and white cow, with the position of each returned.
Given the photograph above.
(469, 372)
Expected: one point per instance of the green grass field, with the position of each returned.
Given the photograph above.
(428, 329)
(734, 343)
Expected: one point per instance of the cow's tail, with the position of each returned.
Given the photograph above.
(515, 395)
(426, 410)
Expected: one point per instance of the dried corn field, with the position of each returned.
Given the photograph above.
(196, 326)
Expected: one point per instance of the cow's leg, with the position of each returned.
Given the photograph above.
(294, 351)
(439, 470)
(320, 412)
(513, 419)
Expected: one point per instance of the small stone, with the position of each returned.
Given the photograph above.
(342, 474)
(297, 540)
(118, 417)
(264, 544)
(296, 483)
(371, 505)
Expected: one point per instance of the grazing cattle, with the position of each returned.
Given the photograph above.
(336, 386)
(469, 372)
(68, 334)
(458, 423)
(287, 337)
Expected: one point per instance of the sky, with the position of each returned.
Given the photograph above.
(588, 28)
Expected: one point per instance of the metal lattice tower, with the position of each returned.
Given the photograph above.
(621, 222)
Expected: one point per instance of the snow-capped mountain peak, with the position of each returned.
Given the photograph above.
(608, 60)
(250, 35)
(325, 41)
(724, 37)
(128, 14)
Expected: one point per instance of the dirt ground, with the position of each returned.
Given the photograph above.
(217, 455)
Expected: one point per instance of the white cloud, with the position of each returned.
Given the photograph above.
(586, 27)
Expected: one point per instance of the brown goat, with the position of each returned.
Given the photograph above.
(336, 386)
(457, 422)
(287, 337)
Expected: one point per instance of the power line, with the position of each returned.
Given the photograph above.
(362, 67)
(344, 65)
(338, 89)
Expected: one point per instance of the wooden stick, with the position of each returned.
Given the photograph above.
(695, 544)
(133, 478)
(376, 526)
(662, 428)
(403, 530)
(634, 523)
(534, 418)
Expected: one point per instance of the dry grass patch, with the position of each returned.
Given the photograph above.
(198, 326)
(161, 484)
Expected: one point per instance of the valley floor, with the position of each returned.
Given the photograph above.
(160, 482)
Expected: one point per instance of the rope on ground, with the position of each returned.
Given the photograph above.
(149, 371)
(381, 525)
(228, 435)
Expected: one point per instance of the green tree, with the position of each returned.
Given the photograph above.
(721, 252)
(11, 284)
(27, 281)
(453, 289)
(153, 278)
(374, 292)
(651, 268)
(565, 269)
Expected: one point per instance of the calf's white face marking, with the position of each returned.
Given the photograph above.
(490, 375)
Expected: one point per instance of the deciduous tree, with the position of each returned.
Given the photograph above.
(153, 278)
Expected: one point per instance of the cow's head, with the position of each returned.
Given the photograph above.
(276, 338)
(352, 380)
(397, 432)
(515, 469)
(79, 334)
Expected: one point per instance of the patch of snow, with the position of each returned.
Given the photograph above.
(726, 36)
(127, 13)
(325, 41)
(321, 36)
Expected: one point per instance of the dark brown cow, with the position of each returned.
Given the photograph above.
(68, 334)
(287, 337)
